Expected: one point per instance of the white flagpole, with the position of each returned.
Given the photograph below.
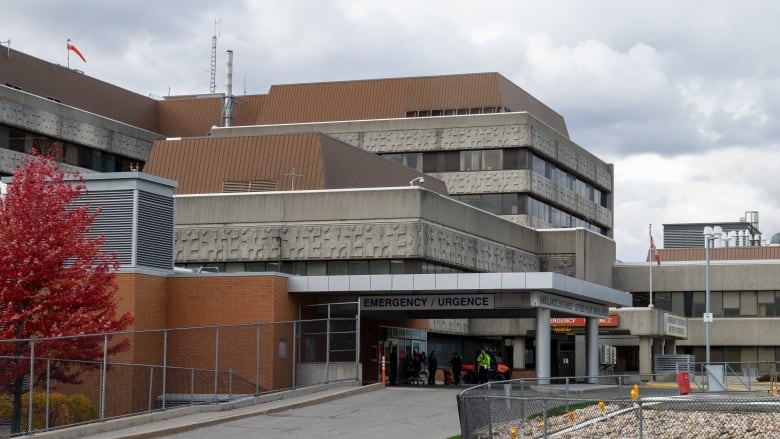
(67, 50)
(650, 262)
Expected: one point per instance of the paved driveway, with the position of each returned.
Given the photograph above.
(392, 413)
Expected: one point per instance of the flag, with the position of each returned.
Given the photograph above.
(654, 251)
(73, 48)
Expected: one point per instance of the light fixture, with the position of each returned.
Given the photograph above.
(421, 180)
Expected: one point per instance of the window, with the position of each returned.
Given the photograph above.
(470, 160)
(766, 303)
(748, 304)
(337, 268)
(730, 304)
(492, 159)
(358, 267)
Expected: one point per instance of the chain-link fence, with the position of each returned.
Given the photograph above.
(168, 368)
(525, 409)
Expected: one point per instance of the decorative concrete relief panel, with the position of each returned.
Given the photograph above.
(568, 199)
(587, 168)
(544, 142)
(400, 141)
(50, 124)
(567, 155)
(543, 187)
(486, 181)
(561, 263)
(341, 241)
(470, 252)
(484, 137)
(604, 177)
(350, 138)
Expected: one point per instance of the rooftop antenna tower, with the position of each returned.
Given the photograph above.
(213, 82)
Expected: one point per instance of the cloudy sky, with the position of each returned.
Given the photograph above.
(682, 97)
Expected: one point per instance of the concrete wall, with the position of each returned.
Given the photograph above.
(356, 224)
(691, 276)
(472, 132)
(59, 121)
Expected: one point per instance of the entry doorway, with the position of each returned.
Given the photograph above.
(563, 355)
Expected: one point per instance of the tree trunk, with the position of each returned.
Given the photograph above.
(16, 417)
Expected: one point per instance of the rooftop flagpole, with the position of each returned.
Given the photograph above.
(67, 49)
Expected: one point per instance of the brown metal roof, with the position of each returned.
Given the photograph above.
(719, 254)
(309, 161)
(393, 98)
(76, 89)
(193, 116)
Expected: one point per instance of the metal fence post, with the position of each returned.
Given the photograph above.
(641, 423)
(544, 418)
(48, 389)
(230, 384)
(32, 382)
(257, 361)
(489, 404)
(192, 386)
(293, 347)
(357, 344)
(216, 362)
(165, 366)
(103, 371)
(151, 386)
(327, 348)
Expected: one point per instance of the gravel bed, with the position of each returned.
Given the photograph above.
(623, 423)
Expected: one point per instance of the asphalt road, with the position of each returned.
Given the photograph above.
(393, 413)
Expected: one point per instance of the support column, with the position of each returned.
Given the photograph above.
(670, 347)
(645, 354)
(518, 352)
(592, 348)
(543, 345)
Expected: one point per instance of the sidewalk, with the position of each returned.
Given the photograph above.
(182, 419)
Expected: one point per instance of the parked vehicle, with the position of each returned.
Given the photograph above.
(498, 370)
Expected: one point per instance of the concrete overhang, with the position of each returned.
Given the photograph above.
(462, 283)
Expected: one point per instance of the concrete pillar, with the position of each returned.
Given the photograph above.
(645, 355)
(670, 347)
(658, 346)
(543, 345)
(518, 352)
(592, 346)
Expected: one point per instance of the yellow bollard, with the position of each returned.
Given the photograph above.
(634, 394)
(513, 432)
(602, 407)
(774, 389)
(541, 424)
(571, 416)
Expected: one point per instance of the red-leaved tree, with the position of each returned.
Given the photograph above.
(54, 282)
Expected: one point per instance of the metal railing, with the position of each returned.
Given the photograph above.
(619, 406)
(173, 367)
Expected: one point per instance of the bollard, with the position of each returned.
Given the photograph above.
(513, 433)
(602, 407)
(384, 381)
(571, 416)
(774, 389)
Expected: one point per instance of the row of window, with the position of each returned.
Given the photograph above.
(523, 204)
(70, 153)
(722, 303)
(761, 358)
(496, 160)
(329, 268)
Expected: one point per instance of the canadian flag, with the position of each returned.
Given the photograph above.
(73, 48)
(654, 251)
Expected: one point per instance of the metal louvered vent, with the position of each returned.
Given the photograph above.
(155, 231)
(250, 186)
(115, 221)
